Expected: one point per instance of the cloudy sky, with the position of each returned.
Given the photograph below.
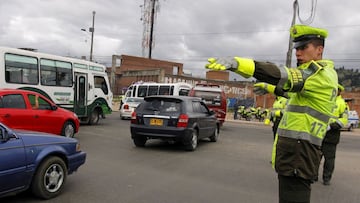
(186, 31)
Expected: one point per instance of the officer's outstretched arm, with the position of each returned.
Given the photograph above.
(285, 79)
(263, 71)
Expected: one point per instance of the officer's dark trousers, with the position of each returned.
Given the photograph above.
(294, 189)
(275, 126)
(329, 151)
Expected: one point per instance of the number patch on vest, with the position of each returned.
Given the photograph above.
(316, 127)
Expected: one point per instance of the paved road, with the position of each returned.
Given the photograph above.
(235, 169)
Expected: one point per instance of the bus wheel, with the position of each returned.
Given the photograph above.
(68, 129)
(94, 118)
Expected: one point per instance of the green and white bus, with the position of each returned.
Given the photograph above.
(77, 85)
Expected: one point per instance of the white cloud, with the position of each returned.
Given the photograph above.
(186, 31)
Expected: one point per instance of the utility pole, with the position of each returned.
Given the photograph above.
(152, 27)
(289, 53)
(92, 29)
(149, 13)
(305, 22)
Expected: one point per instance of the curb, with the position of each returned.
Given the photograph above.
(246, 122)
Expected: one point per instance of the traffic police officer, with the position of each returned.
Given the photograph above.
(332, 137)
(313, 84)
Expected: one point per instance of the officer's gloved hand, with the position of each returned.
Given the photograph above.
(222, 64)
(335, 126)
(243, 66)
(262, 88)
(278, 113)
(267, 121)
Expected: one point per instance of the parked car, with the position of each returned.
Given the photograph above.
(28, 110)
(129, 105)
(36, 161)
(176, 118)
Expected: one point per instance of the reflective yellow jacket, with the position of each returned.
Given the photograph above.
(313, 88)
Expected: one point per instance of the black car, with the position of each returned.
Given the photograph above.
(174, 118)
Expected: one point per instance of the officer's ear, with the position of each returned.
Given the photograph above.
(319, 49)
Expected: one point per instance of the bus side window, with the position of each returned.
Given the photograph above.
(18, 69)
(100, 82)
(153, 90)
(33, 77)
(65, 79)
(142, 91)
(15, 77)
(164, 90)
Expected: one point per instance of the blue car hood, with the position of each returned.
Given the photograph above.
(32, 137)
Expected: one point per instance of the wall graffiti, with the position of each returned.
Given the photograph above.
(231, 91)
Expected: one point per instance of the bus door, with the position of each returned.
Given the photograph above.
(80, 94)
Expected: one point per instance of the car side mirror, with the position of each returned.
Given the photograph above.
(5, 135)
(211, 112)
(54, 108)
(2, 134)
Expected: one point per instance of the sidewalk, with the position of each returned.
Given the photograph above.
(230, 118)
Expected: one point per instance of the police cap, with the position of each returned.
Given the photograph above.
(303, 34)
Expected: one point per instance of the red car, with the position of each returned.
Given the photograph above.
(28, 110)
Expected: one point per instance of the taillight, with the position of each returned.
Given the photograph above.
(183, 121)
(126, 106)
(133, 118)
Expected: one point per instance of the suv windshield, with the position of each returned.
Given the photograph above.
(163, 106)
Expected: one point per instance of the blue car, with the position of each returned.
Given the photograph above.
(36, 161)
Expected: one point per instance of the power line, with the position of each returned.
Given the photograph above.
(225, 32)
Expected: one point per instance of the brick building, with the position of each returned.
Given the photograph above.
(128, 69)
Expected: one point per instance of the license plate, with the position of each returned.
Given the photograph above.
(155, 121)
